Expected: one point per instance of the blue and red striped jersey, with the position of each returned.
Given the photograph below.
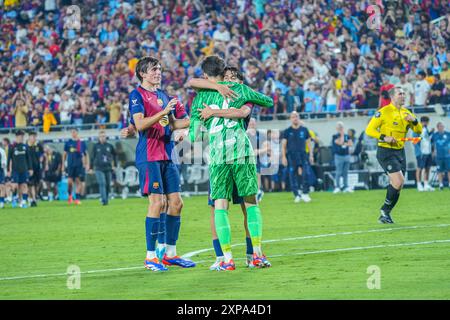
(154, 143)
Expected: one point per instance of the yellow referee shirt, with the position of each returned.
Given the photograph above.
(390, 121)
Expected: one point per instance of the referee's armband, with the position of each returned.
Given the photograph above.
(415, 122)
(382, 136)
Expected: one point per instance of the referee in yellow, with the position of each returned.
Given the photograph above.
(389, 125)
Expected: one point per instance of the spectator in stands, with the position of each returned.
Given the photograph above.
(65, 108)
(48, 120)
(332, 97)
(384, 92)
(408, 89)
(340, 146)
(39, 54)
(421, 90)
(437, 91)
(20, 110)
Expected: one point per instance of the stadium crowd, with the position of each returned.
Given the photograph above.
(61, 66)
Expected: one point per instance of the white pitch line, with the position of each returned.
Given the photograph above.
(272, 256)
(193, 253)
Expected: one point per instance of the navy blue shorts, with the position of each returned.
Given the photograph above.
(235, 196)
(443, 164)
(425, 161)
(75, 172)
(281, 175)
(295, 160)
(2, 176)
(19, 178)
(161, 177)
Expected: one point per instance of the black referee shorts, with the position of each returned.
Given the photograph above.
(392, 160)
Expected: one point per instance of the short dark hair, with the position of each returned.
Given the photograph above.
(20, 133)
(32, 133)
(235, 71)
(213, 66)
(424, 119)
(144, 64)
(393, 90)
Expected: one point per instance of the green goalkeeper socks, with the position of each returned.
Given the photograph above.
(223, 229)
(254, 221)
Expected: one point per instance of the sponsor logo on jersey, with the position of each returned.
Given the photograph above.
(160, 102)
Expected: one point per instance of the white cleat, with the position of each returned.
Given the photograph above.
(306, 197)
(216, 265)
(348, 190)
(420, 187)
(249, 260)
(428, 188)
(336, 190)
(297, 199)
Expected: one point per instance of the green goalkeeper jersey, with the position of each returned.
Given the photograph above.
(228, 140)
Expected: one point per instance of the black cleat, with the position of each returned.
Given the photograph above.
(33, 204)
(385, 217)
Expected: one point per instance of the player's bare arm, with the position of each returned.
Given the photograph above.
(283, 152)
(143, 123)
(179, 123)
(127, 132)
(223, 89)
(231, 113)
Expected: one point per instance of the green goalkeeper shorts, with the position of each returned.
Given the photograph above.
(223, 176)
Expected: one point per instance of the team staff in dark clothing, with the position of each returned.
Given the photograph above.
(389, 125)
(293, 150)
(19, 169)
(52, 171)
(37, 156)
(75, 152)
(104, 162)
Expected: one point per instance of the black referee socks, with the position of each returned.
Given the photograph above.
(392, 196)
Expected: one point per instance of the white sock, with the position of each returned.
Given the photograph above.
(171, 251)
(151, 255)
(228, 256)
(258, 251)
(161, 246)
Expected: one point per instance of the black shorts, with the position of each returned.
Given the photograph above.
(52, 177)
(392, 160)
(75, 172)
(35, 178)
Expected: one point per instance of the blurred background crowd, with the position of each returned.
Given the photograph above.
(311, 56)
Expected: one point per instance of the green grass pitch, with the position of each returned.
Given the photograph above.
(319, 250)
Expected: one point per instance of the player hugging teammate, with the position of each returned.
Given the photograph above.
(232, 159)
